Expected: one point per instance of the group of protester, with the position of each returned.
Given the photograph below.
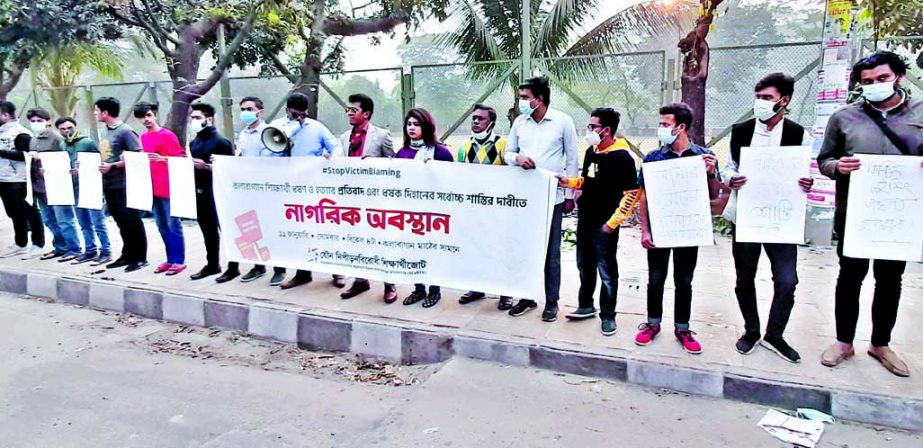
(608, 184)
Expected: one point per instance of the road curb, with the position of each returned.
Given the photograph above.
(411, 343)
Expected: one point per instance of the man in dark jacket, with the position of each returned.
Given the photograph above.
(14, 144)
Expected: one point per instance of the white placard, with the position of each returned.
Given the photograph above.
(89, 181)
(884, 214)
(28, 160)
(771, 207)
(138, 186)
(678, 202)
(454, 225)
(59, 183)
(182, 187)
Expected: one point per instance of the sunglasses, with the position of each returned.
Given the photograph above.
(297, 115)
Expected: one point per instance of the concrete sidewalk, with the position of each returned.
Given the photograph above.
(315, 316)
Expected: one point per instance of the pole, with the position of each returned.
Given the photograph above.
(226, 102)
(525, 51)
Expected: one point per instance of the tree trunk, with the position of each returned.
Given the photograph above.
(310, 75)
(183, 73)
(693, 89)
(9, 79)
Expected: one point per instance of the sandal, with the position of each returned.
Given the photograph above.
(163, 267)
(176, 269)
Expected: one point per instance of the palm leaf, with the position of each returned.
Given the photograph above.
(558, 24)
(473, 39)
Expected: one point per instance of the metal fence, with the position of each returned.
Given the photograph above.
(634, 84)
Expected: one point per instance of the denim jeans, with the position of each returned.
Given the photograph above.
(60, 221)
(171, 230)
(596, 252)
(93, 225)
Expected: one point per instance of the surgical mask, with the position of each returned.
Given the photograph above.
(483, 134)
(196, 125)
(38, 127)
(764, 110)
(666, 135)
(592, 138)
(878, 92)
(525, 107)
(69, 134)
(248, 117)
(417, 143)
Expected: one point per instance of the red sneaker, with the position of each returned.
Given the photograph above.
(647, 333)
(686, 338)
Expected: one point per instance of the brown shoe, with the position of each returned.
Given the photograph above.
(339, 281)
(390, 293)
(890, 360)
(298, 280)
(836, 354)
(359, 286)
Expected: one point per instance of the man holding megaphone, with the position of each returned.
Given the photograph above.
(297, 135)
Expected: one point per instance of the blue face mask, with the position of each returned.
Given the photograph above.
(525, 107)
(666, 135)
(248, 117)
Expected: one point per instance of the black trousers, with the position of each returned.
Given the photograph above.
(783, 259)
(131, 227)
(596, 251)
(888, 276)
(25, 217)
(207, 216)
(658, 264)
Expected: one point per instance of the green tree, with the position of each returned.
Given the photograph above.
(30, 27)
(57, 70)
(896, 18)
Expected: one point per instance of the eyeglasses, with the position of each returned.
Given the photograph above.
(593, 127)
(297, 115)
(353, 110)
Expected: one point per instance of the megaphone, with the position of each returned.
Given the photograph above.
(278, 139)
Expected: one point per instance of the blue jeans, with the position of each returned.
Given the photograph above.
(93, 225)
(171, 230)
(596, 251)
(60, 221)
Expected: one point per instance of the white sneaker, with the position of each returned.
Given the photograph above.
(14, 250)
(32, 252)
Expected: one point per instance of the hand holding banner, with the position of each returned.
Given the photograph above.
(678, 202)
(771, 207)
(59, 183)
(138, 187)
(182, 187)
(89, 181)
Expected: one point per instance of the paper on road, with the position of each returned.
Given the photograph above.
(794, 430)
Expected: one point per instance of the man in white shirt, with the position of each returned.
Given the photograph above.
(546, 138)
(250, 144)
(769, 128)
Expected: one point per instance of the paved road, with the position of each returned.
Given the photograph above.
(75, 377)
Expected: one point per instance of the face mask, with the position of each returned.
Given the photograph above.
(417, 143)
(666, 135)
(37, 126)
(525, 107)
(248, 117)
(69, 134)
(196, 125)
(764, 110)
(592, 138)
(483, 134)
(878, 92)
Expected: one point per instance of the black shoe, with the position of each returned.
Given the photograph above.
(523, 307)
(415, 297)
(551, 312)
(781, 348)
(120, 263)
(228, 275)
(470, 296)
(608, 326)
(581, 313)
(132, 267)
(505, 303)
(205, 272)
(84, 258)
(254, 274)
(432, 299)
(747, 343)
(277, 279)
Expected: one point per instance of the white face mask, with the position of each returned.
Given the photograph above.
(483, 134)
(417, 143)
(764, 110)
(666, 135)
(37, 127)
(592, 138)
(196, 125)
(878, 92)
(525, 107)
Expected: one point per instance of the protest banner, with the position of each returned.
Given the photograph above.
(678, 203)
(454, 225)
(59, 184)
(884, 213)
(182, 182)
(771, 207)
(139, 190)
(89, 181)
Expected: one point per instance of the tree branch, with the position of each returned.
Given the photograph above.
(156, 23)
(224, 62)
(344, 26)
(136, 21)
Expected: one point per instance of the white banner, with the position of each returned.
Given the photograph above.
(139, 190)
(28, 160)
(59, 183)
(89, 181)
(469, 227)
(182, 183)
(771, 207)
(678, 204)
(884, 212)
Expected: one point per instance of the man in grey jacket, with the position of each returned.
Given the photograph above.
(14, 144)
(851, 130)
(365, 140)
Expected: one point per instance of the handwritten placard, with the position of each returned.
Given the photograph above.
(884, 212)
(771, 207)
(678, 203)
